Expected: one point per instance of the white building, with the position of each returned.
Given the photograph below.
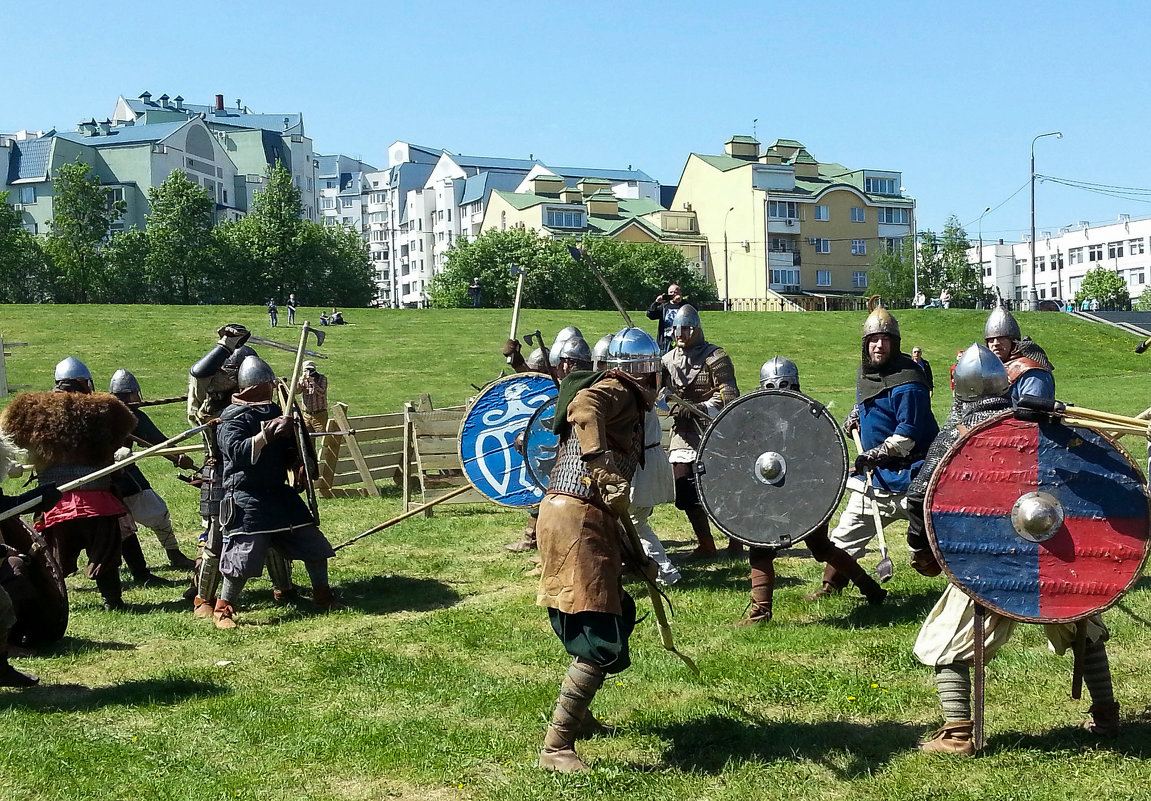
(1064, 256)
(342, 190)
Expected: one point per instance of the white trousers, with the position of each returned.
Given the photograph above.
(856, 526)
(652, 546)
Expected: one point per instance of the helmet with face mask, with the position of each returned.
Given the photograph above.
(779, 373)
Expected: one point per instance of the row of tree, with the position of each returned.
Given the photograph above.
(183, 256)
(636, 272)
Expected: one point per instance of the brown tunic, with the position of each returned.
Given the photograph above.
(579, 539)
(704, 375)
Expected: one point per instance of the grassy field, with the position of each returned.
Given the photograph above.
(436, 681)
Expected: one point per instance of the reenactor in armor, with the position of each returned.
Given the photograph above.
(260, 513)
(702, 379)
(781, 373)
(68, 434)
(599, 420)
(946, 641)
(1028, 368)
(146, 507)
(211, 383)
(892, 413)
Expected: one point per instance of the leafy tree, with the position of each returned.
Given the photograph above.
(83, 214)
(1105, 286)
(637, 272)
(127, 254)
(964, 279)
(891, 275)
(179, 240)
(23, 270)
(339, 272)
(1143, 302)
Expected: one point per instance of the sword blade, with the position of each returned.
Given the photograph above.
(271, 343)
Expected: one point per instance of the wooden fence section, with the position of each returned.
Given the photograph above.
(434, 466)
(350, 465)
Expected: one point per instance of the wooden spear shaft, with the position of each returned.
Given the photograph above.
(410, 513)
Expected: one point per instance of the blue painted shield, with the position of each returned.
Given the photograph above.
(488, 454)
(541, 445)
(1040, 522)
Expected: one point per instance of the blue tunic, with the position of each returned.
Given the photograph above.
(1037, 382)
(904, 410)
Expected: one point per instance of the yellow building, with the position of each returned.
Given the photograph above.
(792, 225)
(589, 207)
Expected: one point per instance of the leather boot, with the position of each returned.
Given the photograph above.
(326, 599)
(528, 543)
(285, 597)
(579, 686)
(955, 737)
(762, 586)
(1104, 720)
(11, 677)
(702, 530)
(137, 565)
(108, 582)
(833, 584)
(203, 607)
(222, 615)
(734, 547)
(178, 560)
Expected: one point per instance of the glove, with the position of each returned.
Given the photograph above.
(277, 428)
(680, 409)
(233, 335)
(873, 458)
(613, 488)
(121, 454)
(852, 422)
(47, 493)
(185, 462)
(925, 564)
(510, 347)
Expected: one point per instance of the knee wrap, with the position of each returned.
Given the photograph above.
(279, 569)
(209, 579)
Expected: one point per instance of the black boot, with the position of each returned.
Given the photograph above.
(11, 677)
(108, 582)
(850, 570)
(134, 558)
(833, 584)
(178, 560)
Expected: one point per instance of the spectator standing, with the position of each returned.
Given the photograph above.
(925, 366)
(272, 311)
(313, 388)
(945, 298)
(292, 309)
(663, 309)
(475, 292)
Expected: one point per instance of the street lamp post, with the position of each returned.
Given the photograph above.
(981, 243)
(726, 285)
(1033, 297)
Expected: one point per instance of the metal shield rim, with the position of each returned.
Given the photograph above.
(463, 422)
(531, 472)
(823, 412)
(929, 496)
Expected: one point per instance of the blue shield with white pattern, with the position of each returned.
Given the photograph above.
(541, 445)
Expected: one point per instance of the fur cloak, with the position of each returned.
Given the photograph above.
(67, 428)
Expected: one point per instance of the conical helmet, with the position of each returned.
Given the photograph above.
(599, 350)
(253, 371)
(563, 336)
(72, 368)
(980, 374)
(123, 383)
(536, 361)
(574, 348)
(880, 321)
(1001, 323)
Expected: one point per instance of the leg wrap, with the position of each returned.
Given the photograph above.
(579, 686)
(1097, 674)
(953, 683)
(209, 580)
(279, 570)
(700, 527)
(762, 582)
(166, 537)
(231, 590)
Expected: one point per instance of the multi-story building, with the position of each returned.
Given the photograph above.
(553, 208)
(1064, 257)
(782, 223)
(253, 141)
(342, 189)
(128, 159)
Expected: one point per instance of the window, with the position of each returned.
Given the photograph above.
(859, 278)
(1043, 292)
(346, 202)
(561, 218)
(822, 213)
(1140, 277)
(1040, 263)
(859, 247)
(328, 203)
(1075, 256)
(503, 221)
(822, 245)
(880, 186)
(1095, 253)
(28, 194)
(329, 184)
(1057, 261)
(449, 214)
(782, 209)
(892, 215)
(1019, 266)
(379, 197)
(823, 277)
(1114, 250)
(781, 279)
(858, 214)
(892, 244)
(1135, 247)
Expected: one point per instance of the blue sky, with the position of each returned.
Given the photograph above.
(950, 95)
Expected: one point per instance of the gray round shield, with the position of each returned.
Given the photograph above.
(771, 468)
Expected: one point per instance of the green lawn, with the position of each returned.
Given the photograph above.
(437, 680)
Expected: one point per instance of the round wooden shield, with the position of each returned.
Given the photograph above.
(1040, 522)
(541, 445)
(499, 414)
(771, 468)
(44, 619)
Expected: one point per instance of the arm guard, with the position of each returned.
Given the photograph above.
(211, 362)
(722, 373)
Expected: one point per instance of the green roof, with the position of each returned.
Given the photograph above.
(744, 140)
(523, 200)
(786, 143)
(723, 163)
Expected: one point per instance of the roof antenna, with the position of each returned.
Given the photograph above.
(754, 125)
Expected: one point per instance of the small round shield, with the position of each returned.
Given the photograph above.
(1039, 522)
(771, 468)
(541, 445)
(499, 414)
(40, 596)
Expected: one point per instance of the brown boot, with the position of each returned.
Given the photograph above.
(326, 599)
(762, 587)
(833, 584)
(579, 686)
(528, 543)
(955, 737)
(222, 615)
(850, 570)
(702, 530)
(591, 726)
(1104, 720)
(202, 607)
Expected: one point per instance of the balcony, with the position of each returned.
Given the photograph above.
(778, 258)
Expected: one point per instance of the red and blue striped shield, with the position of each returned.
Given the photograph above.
(1040, 522)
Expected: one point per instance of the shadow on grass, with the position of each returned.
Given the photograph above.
(708, 744)
(381, 595)
(77, 646)
(78, 698)
(725, 574)
(1134, 740)
(900, 607)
